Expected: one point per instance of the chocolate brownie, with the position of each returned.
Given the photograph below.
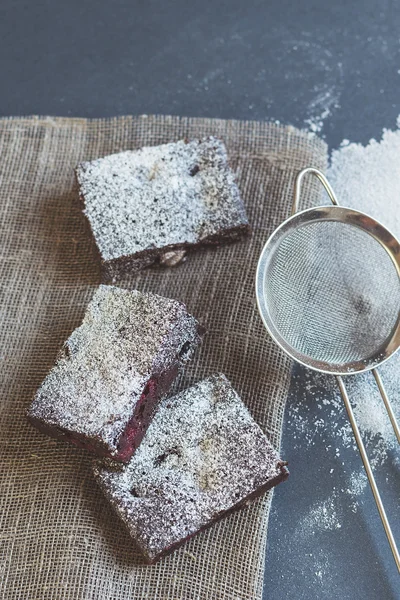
(202, 457)
(153, 204)
(103, 390)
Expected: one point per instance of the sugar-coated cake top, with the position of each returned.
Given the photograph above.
(201, 455)
(106, 361)
(176, 193)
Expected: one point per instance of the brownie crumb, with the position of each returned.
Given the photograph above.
(194, 170)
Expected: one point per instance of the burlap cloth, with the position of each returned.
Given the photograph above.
(59, 538)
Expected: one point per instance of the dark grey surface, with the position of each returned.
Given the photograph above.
(343, 554)
(287, 60)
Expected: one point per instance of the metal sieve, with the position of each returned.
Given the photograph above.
(328, 292)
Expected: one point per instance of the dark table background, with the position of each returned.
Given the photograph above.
(291, 61)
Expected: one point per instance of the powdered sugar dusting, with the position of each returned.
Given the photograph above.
(175, 194)
(106, 362)
(321, 108)
(322, 516)
(357, 483)
(202, 454)
(368, 408)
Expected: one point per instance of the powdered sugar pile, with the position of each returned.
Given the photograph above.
(366, 178)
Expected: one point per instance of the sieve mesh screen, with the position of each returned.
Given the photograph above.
(332, 292)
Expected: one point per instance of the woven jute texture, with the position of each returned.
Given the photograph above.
(59, 538)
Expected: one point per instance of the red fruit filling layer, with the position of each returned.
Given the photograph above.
(134, 432)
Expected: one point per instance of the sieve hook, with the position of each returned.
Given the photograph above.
(343, 391)
(323, 180)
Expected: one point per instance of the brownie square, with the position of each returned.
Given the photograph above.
(154, 204)
(113, 369)
(202, 457)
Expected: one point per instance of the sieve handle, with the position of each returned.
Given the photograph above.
(369, 472)
(323, 180)
(387, 404)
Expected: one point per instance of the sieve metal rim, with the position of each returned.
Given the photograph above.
(340, 214)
